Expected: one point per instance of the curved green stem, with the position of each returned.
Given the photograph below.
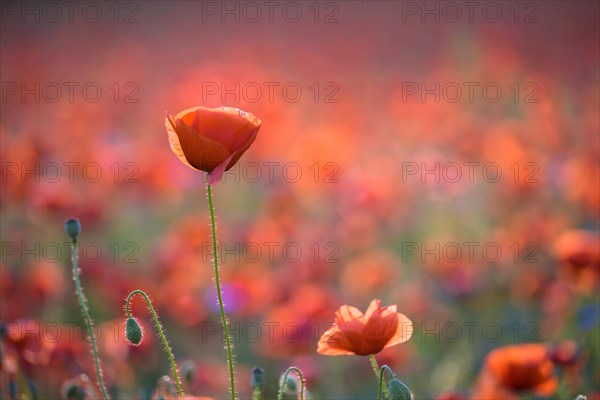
(87, 318)
(383, 368)
(375, 367)
(219, 295)
(284, 383)
(160, 332)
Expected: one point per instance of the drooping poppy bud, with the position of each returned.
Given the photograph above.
(290, 386)
(73, 227)
(399, 391)
(133, 331)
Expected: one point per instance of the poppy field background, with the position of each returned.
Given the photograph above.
(447, 165)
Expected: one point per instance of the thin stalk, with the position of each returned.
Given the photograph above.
(219, 294)
(87, 318)
(383, 368)
(160, 332)
(284, 383)
(376, 370)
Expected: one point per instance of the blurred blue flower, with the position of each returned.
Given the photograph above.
(589, 316)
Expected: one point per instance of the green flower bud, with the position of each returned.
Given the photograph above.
(75, 392)
(399, 391)
(133, 331)
(76, 388)
(290, 386)
(256, 381)
(188, 371)
(73, 227)
(165, 389)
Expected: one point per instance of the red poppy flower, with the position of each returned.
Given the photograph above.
(515, 369)
(211, 139)
(363, 334)
(578, 253)
(565, 353)
(26, 335)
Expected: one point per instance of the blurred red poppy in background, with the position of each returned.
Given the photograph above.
(514, 369)
(578, 254)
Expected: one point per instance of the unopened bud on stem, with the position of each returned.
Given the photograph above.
(73, 227)
(133, 331)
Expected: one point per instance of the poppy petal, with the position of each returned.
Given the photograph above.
(347, 313)
(174, 140)
(548, 388)
(373, 307)
(229, 126)
(333, 343)
(404, 331)
(199, 152)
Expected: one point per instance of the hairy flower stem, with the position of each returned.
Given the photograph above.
(376, 370)
(256, 394)
(383, 368)
(160, 332)
(219, 294)
(87, 318)
(284, 383)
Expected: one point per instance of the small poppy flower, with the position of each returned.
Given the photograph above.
(578, 253)
(565, 353)
(211, 139)
(26, 335)
(515, 369)
(364, 334)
